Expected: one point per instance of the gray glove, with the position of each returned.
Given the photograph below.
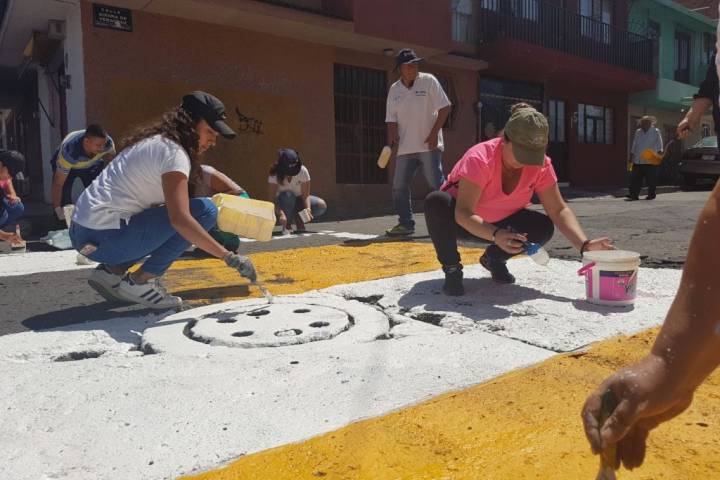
(242, 265)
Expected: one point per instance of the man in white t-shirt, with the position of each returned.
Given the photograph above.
(647, 141)
(417, 108)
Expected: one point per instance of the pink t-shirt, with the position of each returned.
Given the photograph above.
(5, 185)
(482, 165)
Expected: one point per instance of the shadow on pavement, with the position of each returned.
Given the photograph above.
(483, 299)
(365, 243)
(80, 314)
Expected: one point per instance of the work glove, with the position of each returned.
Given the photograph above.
(242, 264)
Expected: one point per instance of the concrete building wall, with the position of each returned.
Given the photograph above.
(285, 84)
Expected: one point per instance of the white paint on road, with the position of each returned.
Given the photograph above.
(39, 262)
(195, 406)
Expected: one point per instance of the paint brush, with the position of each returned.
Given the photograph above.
(266, 293)
(609, 455)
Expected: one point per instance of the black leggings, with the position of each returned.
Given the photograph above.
(440, 220)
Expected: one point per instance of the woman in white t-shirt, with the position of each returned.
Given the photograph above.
(140, 206)
(289, 189)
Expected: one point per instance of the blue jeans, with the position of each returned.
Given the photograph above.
(148, 233)
(86, 176)
(11, 213)
(291, 205)
(405, 168)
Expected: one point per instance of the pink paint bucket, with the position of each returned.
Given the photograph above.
(610, 276)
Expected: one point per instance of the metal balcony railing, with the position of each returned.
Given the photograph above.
(553, 27)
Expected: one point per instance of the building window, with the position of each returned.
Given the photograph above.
(489, 5)
(360, 131)
(708, 48)
(682, 57)
(463, 30)
(526, 9)
(556, 118)
(595, 124)
(596, 19)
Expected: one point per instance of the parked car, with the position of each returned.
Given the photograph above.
(702, 160)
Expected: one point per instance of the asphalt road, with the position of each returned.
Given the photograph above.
(660, 230)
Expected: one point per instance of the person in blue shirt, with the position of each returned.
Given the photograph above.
(82, 154)
(11, 163)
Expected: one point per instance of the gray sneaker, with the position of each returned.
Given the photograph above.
(105, 283)
(151, 294)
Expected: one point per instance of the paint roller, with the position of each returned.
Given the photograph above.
(384, 157)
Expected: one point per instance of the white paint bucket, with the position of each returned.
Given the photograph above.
(610, 276)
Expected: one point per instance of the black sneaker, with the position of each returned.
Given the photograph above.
(453, 285)
(650, 197)
(498, 269)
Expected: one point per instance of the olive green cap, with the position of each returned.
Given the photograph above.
(527, 130)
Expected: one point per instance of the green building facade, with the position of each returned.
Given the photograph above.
(685, 44)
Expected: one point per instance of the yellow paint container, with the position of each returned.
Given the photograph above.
(245, 217)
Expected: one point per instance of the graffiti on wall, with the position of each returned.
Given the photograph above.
(249, 124)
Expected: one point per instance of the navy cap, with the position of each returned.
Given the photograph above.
(13, 160)
(288, 162)
(202, 105)
(406, 56)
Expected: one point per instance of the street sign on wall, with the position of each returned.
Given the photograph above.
(115, 18)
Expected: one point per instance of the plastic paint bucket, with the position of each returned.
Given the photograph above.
(610, 276)
(245, 217)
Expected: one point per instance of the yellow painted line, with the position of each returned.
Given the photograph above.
(523, 425)
(204, 281)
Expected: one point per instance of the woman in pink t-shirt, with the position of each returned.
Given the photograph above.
(487, 193)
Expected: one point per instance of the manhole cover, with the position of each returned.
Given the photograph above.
(273, 325)
(239, 327)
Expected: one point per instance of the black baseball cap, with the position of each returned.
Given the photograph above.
(405, 56)
(13, 160)
(289, 161)
(202, 105)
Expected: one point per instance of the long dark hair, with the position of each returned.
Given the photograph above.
(176, 125)
(278, 173)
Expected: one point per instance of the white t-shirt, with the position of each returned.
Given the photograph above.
(415, 110)
(131, 183)
(645, 140)
(294, 184)
(205, 188)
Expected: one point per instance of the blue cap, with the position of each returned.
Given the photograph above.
(405, 56)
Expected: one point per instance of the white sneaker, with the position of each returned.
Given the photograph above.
(105, 283)
(151, 294)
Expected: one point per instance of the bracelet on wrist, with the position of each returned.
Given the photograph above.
(584, 246)
(495, 233)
